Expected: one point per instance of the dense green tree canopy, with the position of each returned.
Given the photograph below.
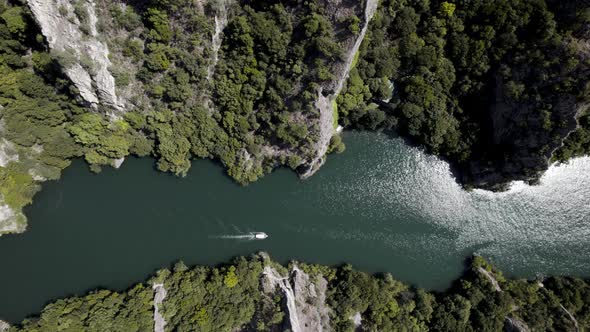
(232, 297)
(487, 84)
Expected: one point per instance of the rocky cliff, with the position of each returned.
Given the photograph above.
(105, 48)
(4, 326)
(13, 156)
(522, 140)
(203, 81)
(305, 299)
(70, 28)
(325, 105)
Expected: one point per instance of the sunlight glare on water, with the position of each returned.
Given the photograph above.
(545, 226)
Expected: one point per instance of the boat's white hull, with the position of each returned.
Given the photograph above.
(260, 235)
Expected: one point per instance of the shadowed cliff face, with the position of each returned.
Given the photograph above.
(523, 130)
(521, 136)
(494, 89)
(518, 148)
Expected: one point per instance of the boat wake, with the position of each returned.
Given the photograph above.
(249, 236)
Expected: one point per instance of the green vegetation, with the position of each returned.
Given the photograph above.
(471, 304)
(83, 16)
(491, 85)
(483, 83)
(206, 299)
(254, 104)
(17, 187)
(578, 143)
(101, 310)
(274, 57)
(36, 107)
(494, 86)
(231, 297)
(261, 97)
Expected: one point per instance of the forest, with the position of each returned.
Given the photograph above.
(230, 298)
(253, 114)
(495, 87)
(498, 88)
(273, 58)
(36, 107)
(251, 110)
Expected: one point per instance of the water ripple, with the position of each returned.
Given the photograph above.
(544, 227)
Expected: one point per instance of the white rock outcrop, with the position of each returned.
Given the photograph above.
(310, 297)
(306, 299)
(8, 152)
(325, 104)
(4, 326)
(357, 320)
(159, 295)
(11, 221)
(118, 162)
(85, 58)
(572, 318)
(491, 278)
(513, 324)
(221, 20)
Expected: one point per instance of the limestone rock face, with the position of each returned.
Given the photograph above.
(325, 104)
(159, 296)
(4, 326)
(310, 297)
(305, 298)
(11, 221)
(73, 38)
(513, 324)
(8, 152)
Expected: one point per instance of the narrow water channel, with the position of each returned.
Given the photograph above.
(381, 206)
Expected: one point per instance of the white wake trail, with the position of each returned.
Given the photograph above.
(235, 237)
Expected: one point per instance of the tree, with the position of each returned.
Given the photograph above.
(447, 8)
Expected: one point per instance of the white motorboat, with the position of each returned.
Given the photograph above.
(260, 235)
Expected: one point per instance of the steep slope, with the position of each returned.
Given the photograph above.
(495, 87)
(71, 32)
(305, 299)
(326, 104)
(154, 58)
(228, 80)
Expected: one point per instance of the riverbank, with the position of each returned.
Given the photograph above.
(258, 294)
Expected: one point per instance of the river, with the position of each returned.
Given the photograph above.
(381, 206)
